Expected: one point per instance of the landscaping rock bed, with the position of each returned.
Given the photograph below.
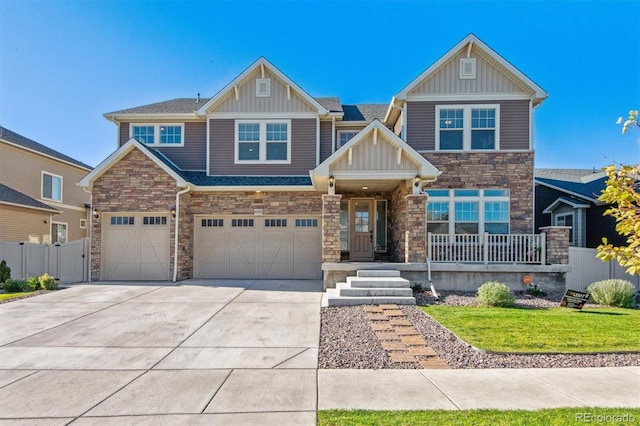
(348, 341)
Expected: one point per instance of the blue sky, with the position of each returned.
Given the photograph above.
(65, 63)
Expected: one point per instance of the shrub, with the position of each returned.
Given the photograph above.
(11, 286)
(5, 272)
(618, 293)
(493, 293)
(536, 291)
(33, 283)
(47, 282)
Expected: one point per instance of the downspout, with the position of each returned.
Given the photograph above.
(176, 222)
(90, 230)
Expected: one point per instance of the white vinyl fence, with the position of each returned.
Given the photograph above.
(586, 268)
(69, 262)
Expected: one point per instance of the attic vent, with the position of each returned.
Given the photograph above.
(467, 68)
(263, 87)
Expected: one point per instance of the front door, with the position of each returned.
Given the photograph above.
(362, 230)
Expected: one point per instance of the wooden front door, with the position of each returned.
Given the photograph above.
(362, 220)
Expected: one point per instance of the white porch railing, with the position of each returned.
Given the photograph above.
(487, 248)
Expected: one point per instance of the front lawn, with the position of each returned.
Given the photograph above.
(552, 330)
(556, 416)
(5, 296)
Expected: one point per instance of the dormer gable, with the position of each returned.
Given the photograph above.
(261, 88)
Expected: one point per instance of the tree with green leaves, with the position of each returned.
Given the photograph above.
(622, 192)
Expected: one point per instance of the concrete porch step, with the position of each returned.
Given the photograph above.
(346, 290)
(379, 282)
(378, 273)
(332, 298)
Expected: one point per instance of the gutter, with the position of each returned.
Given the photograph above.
(176, 222)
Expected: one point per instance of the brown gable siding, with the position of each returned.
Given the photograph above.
(222, 150)
(514, 123)
(326, 148)
(191, 156)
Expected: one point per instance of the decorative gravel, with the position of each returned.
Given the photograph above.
(347, 340)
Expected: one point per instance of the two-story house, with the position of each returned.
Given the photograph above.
(263, 180)
(39, 199)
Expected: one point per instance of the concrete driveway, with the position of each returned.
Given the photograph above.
(196, 352)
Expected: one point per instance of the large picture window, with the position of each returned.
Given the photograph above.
(474, 211)
(263, 141)
(467, 127)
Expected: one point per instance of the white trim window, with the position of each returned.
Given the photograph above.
(467, 127)
(170, 134)
(58, 232)
(468, 211)
(566, 219)
(345, 136)
(259, 141)
(51, 187)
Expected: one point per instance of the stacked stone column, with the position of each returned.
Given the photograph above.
(557, 243)
(331, 228)
(416, 247)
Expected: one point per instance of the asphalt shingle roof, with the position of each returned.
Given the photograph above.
(10, 195)
(364, 112)
(13, 137)
(332, 104)
(570, 175)
(590, 190)
(173, 106)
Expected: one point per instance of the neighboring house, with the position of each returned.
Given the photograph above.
(39, 199)
(265, 181)
(569, 197)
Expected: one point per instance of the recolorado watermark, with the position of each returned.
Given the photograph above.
(587, 417)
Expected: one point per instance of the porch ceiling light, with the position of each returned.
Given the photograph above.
(332, 181)
(416, 181)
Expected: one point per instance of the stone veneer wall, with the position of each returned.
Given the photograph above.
(331, 228)
(557, 242)
(398, 215)
(415, 217)
(481, 170)
(134, 184)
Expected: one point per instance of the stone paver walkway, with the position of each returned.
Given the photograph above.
(400, 339)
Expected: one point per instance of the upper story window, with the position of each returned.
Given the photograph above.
(158, 134)
(263, 141)
(51, 186)
(345, 136)
(474, 211)
(467, 127)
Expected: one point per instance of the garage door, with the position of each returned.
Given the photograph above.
(257, 247)
(136, 247)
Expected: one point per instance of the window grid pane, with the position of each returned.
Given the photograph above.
(248, 131)
(171, 134)
(144, 134)
(346, 137)
(277, 132)
(466, 212)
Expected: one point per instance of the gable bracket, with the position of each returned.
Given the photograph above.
(350, 156)
(262, 70)
(469, 46)
(375, 136)
(288, 92)
(235, 89)
(399, 155)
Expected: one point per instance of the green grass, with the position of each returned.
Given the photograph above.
(5, 296)
(556, 416)
(542, 330)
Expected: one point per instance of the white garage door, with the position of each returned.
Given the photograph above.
(136, 247)
(257, 247)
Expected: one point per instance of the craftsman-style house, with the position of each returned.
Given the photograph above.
(263, 180)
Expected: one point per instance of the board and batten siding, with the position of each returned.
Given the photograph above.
(381, 156)
(279, 99)
(491, 78)
(514, 123)
(222, 151)
(191, 156)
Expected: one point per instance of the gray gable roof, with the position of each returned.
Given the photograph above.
(332, 104)
(173, 106)
(11, 196)
(14, 138)
(365, 112)
(570, 175)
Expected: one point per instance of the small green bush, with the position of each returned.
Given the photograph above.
(33, 283)
(493, 293)
(536, 291)
(11, 286)
(619, 293)
(5, 271)
(47, 282)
